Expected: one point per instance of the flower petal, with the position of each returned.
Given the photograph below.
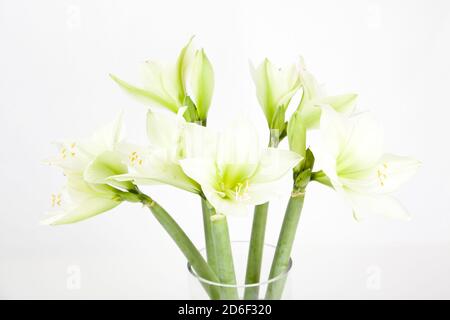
(225, 205)
(388, 206)
(387, 176)
(159, 168)
(81, 211)
(163, 129)
(201, 170)
(146, 96)
(274, 164)
(202, 83)
(105, 166)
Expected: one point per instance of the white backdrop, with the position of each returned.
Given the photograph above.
(55, 57)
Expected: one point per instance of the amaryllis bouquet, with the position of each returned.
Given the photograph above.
(228, 170)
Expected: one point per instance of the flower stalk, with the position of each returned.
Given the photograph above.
(225, 262)
(184, 244)
(211, 254)
(255, 251)
(256, 247)
(284, 245)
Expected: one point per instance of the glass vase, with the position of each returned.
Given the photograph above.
(199, 287)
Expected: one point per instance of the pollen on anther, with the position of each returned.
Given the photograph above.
(56, 200)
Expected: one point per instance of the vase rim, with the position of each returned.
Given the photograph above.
(250, 285)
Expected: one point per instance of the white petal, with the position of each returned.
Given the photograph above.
(238, 144)
(388, 206)
(162, 81)
(274, 164)
(158, 168)
(81, 211)
(163, 129)
(104, 139)
(387, 176)
(198, 141)
(147, 96)
(364, 145)
(356, 143)
(311, 111)
(225, 206)
(259, 193)
(201, 170)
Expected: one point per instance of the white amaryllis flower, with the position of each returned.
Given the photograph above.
(168, 85)
(275, 87)
(314, 95)
(171, 139)
(80, 200)
(351, 156)
(237, 173)
(88, 166)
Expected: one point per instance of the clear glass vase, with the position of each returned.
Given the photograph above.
(198, 287)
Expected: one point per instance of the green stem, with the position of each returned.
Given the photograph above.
(255, 251)
(208, 212)
(282, 255)
(184, 243)
(256, 246)
(225, 258)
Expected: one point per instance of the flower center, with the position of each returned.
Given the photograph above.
(135, 159)
(56, 199)
(238, 192)
(68, 151)
(382, 174)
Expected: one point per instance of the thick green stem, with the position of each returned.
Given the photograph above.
(185, 244)
(208, 212)
(255, 251)
(282, 255)
(256, 247)
(225, 263)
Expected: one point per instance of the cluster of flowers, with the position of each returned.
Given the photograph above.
(229, 170)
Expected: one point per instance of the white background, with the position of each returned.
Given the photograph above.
(55, 57)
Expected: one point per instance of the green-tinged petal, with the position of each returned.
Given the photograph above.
(344, 103)
(311, 110)
(81, 211)
(225, 205)
(201, 170)
(202, 83)
(274, 86)
(274, 164)
(296, 132)
(355, 143)
(145, 96)
(103, 167)
(366, 204)
(363, 147)
(263, 89)
(238, 152)
(184, 61)
(158, 167)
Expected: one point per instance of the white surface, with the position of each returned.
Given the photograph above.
(55, 58)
